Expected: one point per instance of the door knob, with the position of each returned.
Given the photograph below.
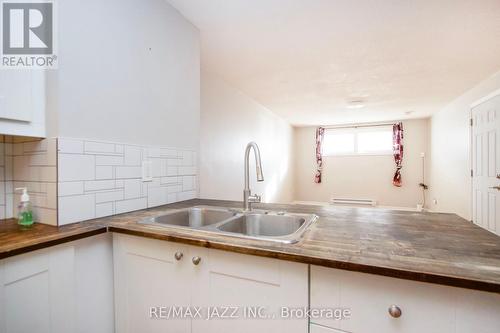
(196, 260)
(498, 176)
(395, 311)
(496, 187)
(178, 256)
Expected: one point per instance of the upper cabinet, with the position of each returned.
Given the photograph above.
(22, 102)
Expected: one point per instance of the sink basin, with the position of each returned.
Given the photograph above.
(261, 225)
(194, 217)
(284, 228)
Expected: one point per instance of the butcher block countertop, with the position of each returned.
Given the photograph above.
(427, 247)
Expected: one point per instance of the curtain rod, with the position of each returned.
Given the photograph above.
(357, 126)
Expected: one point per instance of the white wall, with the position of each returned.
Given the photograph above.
(362, 177)
(128, 72)
(450, 151)
(229, 120)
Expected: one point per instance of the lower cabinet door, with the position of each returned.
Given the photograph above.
(37, 292)
(322, 329)
(152, 285)
(423, 307)
(250, 294)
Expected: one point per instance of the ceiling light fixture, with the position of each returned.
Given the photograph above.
(358, 104)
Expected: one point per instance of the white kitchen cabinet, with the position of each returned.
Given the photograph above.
(322, 329)
(37, 292)
(242, 281)
(147, 274)
(22, 102)
(425, 307)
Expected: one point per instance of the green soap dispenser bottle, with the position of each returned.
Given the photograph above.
(24, 210)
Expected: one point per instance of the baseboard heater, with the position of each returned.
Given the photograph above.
(344, 201)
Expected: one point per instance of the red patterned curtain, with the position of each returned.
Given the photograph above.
(397, 147)
(320, 133)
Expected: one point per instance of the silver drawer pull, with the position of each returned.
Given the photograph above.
(395, 311)
(178, 256)
(196, 260)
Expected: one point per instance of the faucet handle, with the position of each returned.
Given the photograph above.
(254, 198)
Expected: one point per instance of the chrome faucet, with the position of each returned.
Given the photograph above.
(248, 198)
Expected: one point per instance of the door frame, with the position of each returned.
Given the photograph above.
(477, 102)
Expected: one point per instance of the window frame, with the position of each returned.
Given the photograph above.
(355, 131)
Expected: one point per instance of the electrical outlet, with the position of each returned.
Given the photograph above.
(147, 171)
(435, 201)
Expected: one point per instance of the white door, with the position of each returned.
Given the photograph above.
(37, 292)
(148, 276)
(486, 164)
(251, 291)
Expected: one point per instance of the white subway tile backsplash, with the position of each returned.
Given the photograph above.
(112, 176)
(76, 167)
(157, 196)
(132, 188)
(186, 195)
(109, 160)
(174, 188)
(174, 161)
(130, 205)
(172, 171)
(168, 153)
(109, 196)
(76, 208)
(46, 173)
(171, 197)
(17, 149)
(188, 183)
(104, 172)
(7, 149)
(99, 147)
(157, 166)
(30, 163)
(70, 188)
(104, 209)
(70, 146)
(153, 152)
(133, 156)
(122, 172)
(96, 185)
(170, 180)
(187, 158)
(186, 170)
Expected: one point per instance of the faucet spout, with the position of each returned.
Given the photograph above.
(248, 198)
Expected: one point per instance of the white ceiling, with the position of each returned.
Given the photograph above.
(306, 59)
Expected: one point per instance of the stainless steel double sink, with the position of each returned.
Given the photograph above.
(257, 224)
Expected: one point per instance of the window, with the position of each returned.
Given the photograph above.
(376, 140)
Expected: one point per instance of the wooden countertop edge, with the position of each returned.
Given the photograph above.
(52, 242)
(451, 281)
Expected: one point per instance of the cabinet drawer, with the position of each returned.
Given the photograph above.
(425, 307)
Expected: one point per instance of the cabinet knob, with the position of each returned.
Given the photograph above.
(395, 311)
(178, 256)
(196, 260)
